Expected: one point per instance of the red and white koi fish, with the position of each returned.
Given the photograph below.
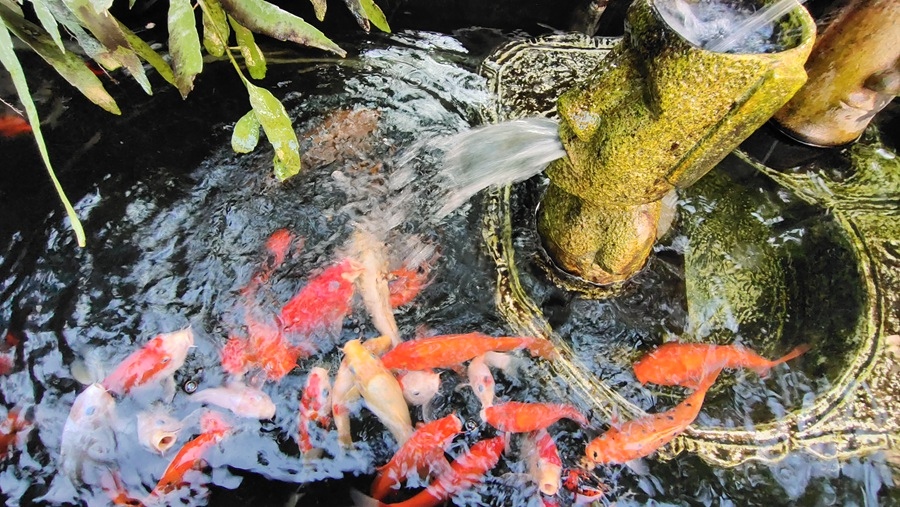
(584, 490)
(641, 437)
(380, 390)
(423, 452)
(158, 359)
(315, 407)
(686, 364)
(320, 307)
(88, 436)
(521, 417)
(371, 256)
(465, 471)
(12, 431)
(213, 430)
(544, 463)
(419, 386)
(447, 351)
(240, 399)
(157, 430)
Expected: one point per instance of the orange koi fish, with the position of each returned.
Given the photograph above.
(213, 429)
(115, 489)
(687, 364)
(464, 472)
(315, 407)
(424, 450)
(641, 437)
(585, 490)
(405, 284)
(450, 350)
(521, 417)
(544, 463)
(156, 360)
(323, 303)
(11, 430)
(265, 348)
(12, 125)
(6, 364)
(277, 247)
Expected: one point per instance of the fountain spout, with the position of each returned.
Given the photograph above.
(656, 115)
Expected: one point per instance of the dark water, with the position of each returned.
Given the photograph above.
(172, 244)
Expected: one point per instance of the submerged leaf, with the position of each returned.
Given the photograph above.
(253, 56)
(263, 17)
(106, 29)
(66, 64)
(375, 15)
(215, 28)
(9, 60)
(319, 6)
(245, 134)
(149, 55)
(277, 125)
(184, 45)
(48, 21)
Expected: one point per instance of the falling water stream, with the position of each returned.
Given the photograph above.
(173, 246)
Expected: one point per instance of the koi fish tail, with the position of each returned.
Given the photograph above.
(540, 347)
(799, 350)
(361, 500)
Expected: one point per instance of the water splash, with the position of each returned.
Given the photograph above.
(495, 155)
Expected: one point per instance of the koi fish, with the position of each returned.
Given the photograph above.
(323, 303)
(240, 399)
(6, 364)
(115, 489)
(87, 435)
(544, 463)
(213, 429)
(465, 471)
(641, 437)
(584, 491)
(686, 364)
(157, 430)
(380, 390)
(265, 348)
(481, 381)
(424, 450)
(520, 417)
(315, 407)
(344, 391)
(405, 284)
(156, 360)
(450, 350)
(372, 281)
(12, 430)
(419, 386)
(277, 247)
(13, 125)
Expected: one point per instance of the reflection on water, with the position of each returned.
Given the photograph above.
(177, 247)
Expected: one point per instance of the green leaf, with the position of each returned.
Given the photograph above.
(48, 22)
(89, 44)
(319, 6)
(215, 28)
(375, 15)
(149, 55)
(253, 56)
(184, 45)
(11, 63)
(263, 17)
(275, 122)
(67, 65)
(106, 29)
(245, 134)
(356, 9)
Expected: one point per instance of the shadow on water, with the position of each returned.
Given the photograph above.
(173, 237)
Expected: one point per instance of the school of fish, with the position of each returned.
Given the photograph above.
(388, 375)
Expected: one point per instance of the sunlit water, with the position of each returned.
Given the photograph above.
(173, 246)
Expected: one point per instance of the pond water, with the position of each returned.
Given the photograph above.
(172, 245)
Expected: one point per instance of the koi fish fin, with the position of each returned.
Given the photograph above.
(638, 466)
(90, 369)
(796, 352)
(360, 499)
